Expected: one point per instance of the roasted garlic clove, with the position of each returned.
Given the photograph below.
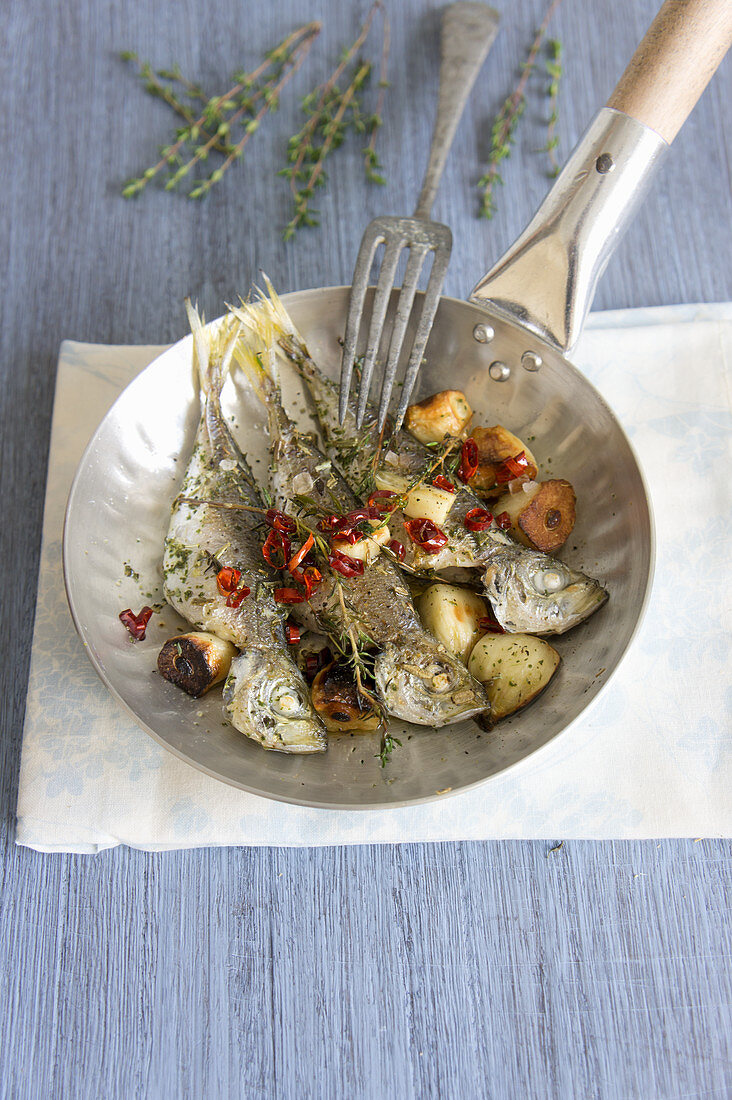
(195, 661)
(542, 513)
(495, 445)
(445, 413)
(341, 708)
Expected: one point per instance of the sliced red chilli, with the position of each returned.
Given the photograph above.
(227, 580)
(311, 666)
(276, 550)
(441, 482)
(503, 520)
(292, 633)
(301, 553)
(136, 624)
(347, 567)
(478, 519)
(344, 532)
(281, 523)
(355, 525)
(309, 578)
(426, 534)
(328, 524)
(397, 548)
(314, 662)
(469, 458)
(235, 598)
(288, 595)
(491, 625)
(511, 468)
(382, 501)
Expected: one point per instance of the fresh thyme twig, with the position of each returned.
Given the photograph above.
(356, 654)
(271, 101)
(152, 83)
(194, 91)
(554, 71)
(197, 502)
(506, 121)
(371, 163)
(388, 741)
(213, 123)
(328, 109)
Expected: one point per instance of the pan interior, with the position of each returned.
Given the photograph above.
(118, 514)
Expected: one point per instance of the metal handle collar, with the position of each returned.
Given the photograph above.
(546, 281)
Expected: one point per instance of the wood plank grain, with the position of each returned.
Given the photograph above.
(464, 970)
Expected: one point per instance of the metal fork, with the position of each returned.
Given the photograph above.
(468, 31)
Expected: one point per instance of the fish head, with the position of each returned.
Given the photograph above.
(266, 698)
(534, 594)
(423, 683)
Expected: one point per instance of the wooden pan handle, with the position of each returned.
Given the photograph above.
(674, 63)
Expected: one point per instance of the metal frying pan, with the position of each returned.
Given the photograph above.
(505, 347)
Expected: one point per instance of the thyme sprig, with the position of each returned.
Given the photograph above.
(331, 113)
(359, 659)
(506, 121)
(388, 741)
(373, 168)
(250, 97)
(152, 82)
(554, 72)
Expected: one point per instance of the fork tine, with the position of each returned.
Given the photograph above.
(404, 309)
(429, 308)
(384, 287)
(369, 244)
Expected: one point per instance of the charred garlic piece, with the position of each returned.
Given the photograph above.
(196, 661)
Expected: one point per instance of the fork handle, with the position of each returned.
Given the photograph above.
(468, 31)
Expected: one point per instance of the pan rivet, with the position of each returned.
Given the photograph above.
(499, 371)
(483, 333)
(604, 163)
(531, 360)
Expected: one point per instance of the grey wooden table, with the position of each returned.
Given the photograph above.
(462, 970)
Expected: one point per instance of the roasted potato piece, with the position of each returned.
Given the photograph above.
(195, 661)
(429, 502)
(340, 706)
(366, 549)
(542, 513)
(514, 669)
(422, 502)
(445, 413)
(452, 614)
(495, 445)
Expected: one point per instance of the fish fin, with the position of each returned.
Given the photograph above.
(264, 380)
(213, 349)
(258, 358)
(270, 321)
(201, 356)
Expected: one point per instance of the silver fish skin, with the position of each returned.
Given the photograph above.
(265, 695)
(530, 592)
(416, 677)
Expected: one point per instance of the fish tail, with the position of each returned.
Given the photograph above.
(259, 364)
(269, 319)
(258, 358)
(213, 350)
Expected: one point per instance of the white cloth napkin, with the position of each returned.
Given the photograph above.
(652, 758)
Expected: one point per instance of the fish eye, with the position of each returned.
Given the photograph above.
(287, 701)
(440, 676)
(548, 581)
